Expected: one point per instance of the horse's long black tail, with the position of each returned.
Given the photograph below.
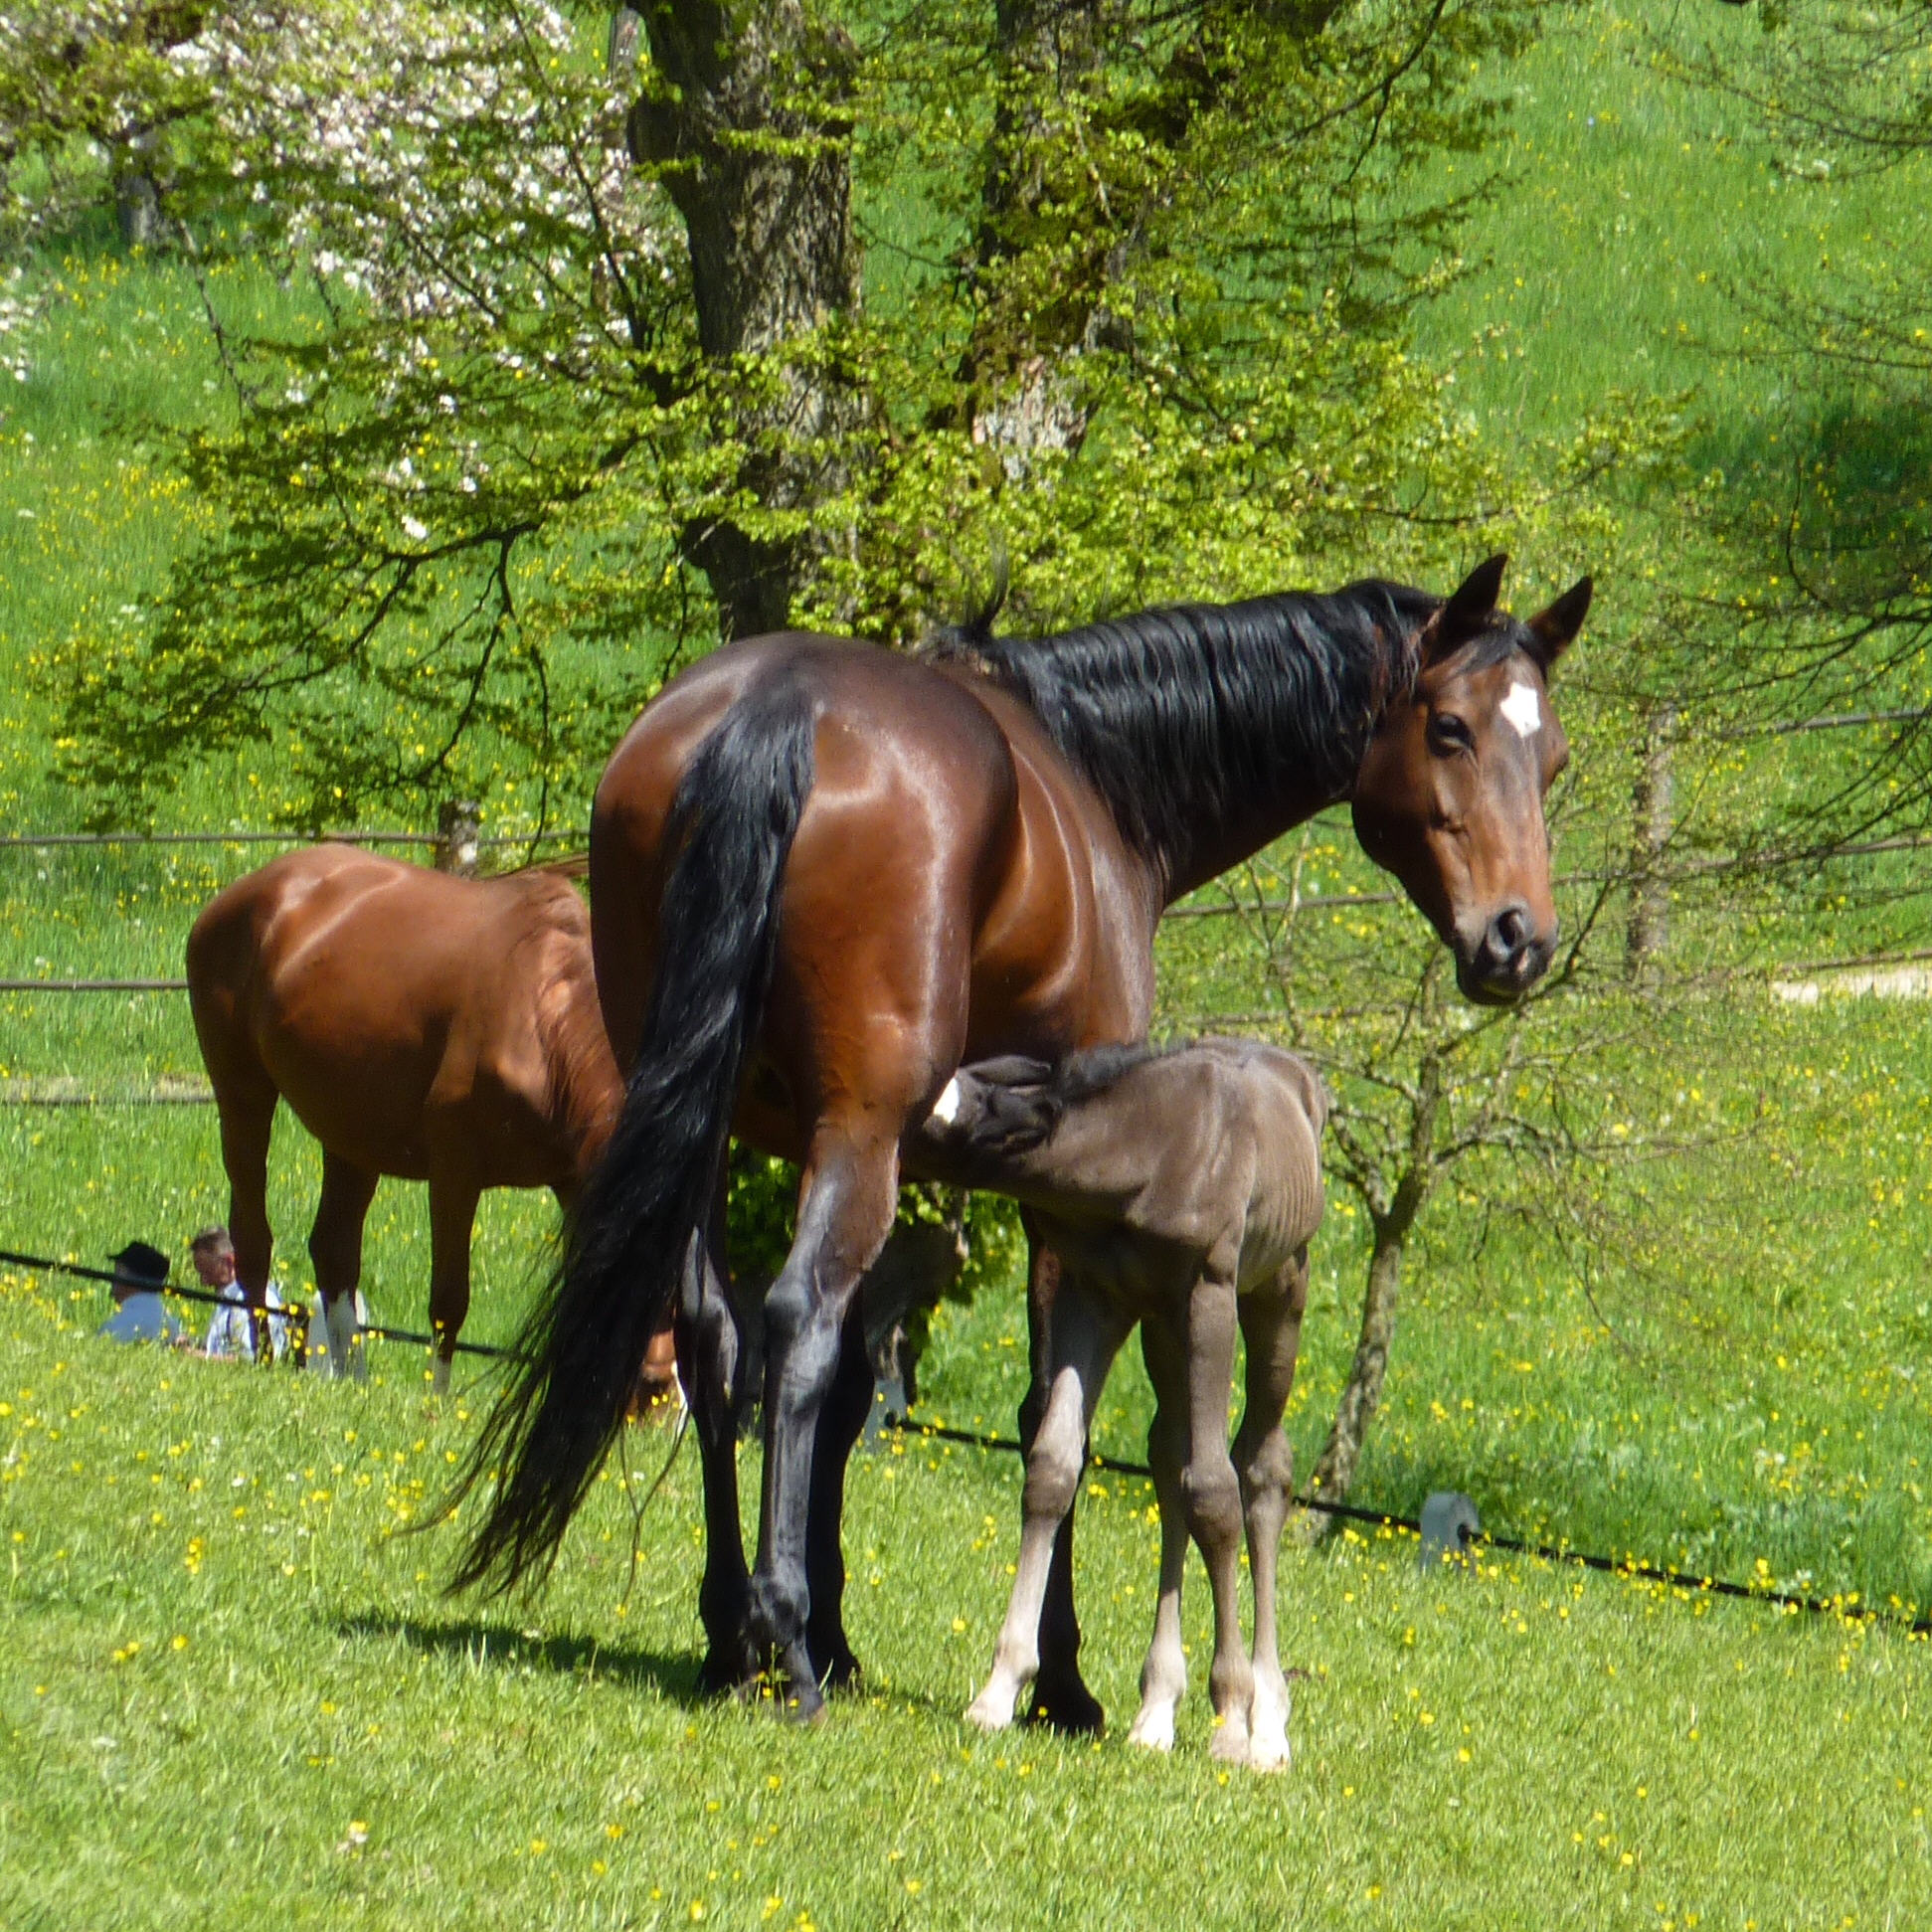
(731, 825)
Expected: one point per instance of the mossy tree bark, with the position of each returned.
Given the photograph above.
(749, 115)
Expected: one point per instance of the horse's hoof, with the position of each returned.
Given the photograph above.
(1229, 1744)
(727, 1670)
(1070, 1708)
(990, 1713)
(842, 1671)
(803, 1704)
(1153, 1730)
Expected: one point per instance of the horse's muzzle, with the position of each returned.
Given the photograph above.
(1510, 959)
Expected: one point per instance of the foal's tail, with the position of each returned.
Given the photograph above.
(731, 824)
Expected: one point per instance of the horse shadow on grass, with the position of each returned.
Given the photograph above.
(495, 1646)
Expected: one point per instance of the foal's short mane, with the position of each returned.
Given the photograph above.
(1183, 717)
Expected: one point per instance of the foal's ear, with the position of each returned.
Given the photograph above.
(1553, 630)
(1468, 611)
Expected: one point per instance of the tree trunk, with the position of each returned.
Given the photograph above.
(1394, 1220)
(1653, 806)
(748, 115)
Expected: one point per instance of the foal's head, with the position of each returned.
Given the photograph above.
(1450, 796)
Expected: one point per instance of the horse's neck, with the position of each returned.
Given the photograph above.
(1218, 848)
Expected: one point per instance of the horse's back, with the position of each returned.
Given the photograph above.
(376, 993)
(942, 874)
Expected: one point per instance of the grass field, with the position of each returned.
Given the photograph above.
(229, 1692)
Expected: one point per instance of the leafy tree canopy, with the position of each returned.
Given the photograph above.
(611, 341)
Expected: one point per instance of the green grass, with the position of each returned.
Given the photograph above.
(219, 1668)
(1738, 1373)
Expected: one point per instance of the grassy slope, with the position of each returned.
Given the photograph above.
(1763, 1396)
(218, 1677)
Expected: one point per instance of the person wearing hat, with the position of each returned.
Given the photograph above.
(141, 1274)
(232, 1333)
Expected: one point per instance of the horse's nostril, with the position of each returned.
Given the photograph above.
(1509, 933)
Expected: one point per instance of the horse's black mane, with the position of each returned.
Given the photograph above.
(1184, 718)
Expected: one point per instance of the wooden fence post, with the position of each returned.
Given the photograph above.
(459, 825)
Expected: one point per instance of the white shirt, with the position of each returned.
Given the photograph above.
(231, 1333)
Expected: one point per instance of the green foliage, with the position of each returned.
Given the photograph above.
(444, 530)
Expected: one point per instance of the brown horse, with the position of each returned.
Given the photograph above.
(823, 874)
(1177, 1190)
(418, 1024)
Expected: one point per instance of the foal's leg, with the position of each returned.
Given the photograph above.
(335, 1247)
(846, 1210)
(1087, 1335)
(1212, 1495)
(453, 1217)
(1271, 1323)
(1061, 1699)
(1163, 1677)
(708, 1355)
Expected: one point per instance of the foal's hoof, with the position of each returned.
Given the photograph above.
(1229, 1744)
(1067, 1708)
(1153, 1729)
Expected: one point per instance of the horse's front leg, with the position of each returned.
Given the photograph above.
(1087, 1335)
(1163, 1677)
(1061, 1699)
(453, 1218)
(708, 1352)
(845, 1209)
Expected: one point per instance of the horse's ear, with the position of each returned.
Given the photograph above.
(1468, 611)
(1553, 630)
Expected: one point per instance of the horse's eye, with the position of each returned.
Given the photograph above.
(1448, 732)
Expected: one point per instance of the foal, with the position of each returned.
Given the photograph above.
(1178, 1190)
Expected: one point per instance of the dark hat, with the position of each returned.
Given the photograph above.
(142, 1262)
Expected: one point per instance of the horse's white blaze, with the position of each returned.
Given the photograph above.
(1521, 709)
(947, 1107)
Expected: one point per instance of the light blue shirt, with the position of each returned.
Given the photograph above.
(142, 1318)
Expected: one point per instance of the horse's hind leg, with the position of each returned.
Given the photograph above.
(452, 1221)
(1088, 1334)
(845, 1212)
(709, 1353)
(335, 1247)
(1163, 1677)
(1271, 1323)
(840, 1424)
(1211, 1492)
(245, 1098)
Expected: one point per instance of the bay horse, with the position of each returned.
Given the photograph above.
(1178, 1190)
(824, 873)
(418, 1024)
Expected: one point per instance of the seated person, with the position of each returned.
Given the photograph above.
(231, 1333)
(141, 1274)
